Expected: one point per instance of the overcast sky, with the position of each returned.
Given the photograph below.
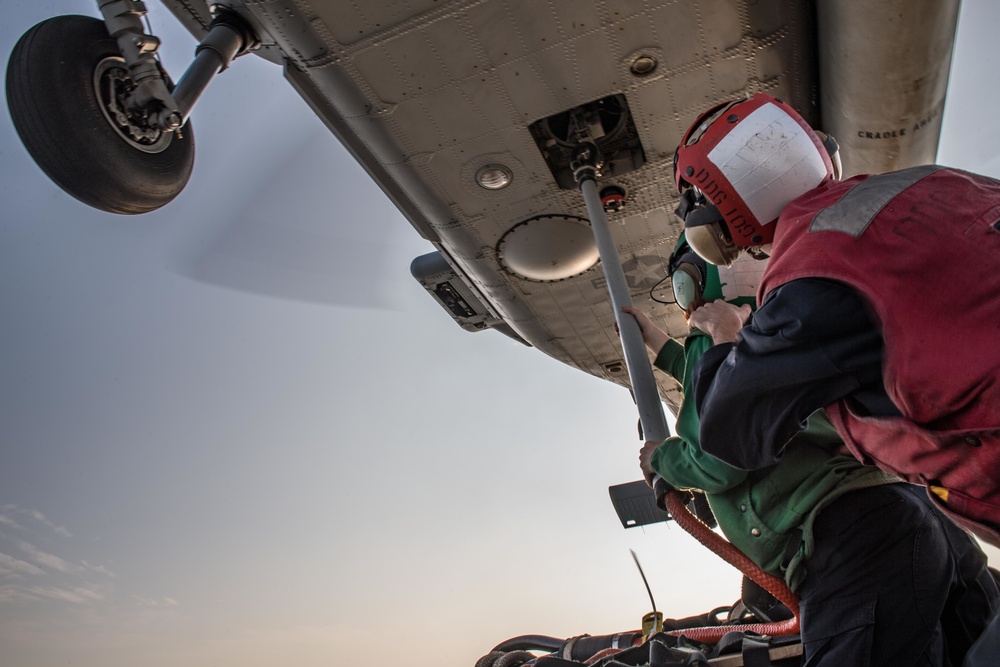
(193, 473)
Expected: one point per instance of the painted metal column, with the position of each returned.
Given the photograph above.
(640, 371)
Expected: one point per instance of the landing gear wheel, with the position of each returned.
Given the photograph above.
(66, 85)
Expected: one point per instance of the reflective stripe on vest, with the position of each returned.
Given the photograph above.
(856, 210)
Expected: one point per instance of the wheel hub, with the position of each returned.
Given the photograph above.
(112, 86)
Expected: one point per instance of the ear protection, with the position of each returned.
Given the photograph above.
(687, 273)
(705, 228)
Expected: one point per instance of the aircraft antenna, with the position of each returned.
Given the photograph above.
(643, 575)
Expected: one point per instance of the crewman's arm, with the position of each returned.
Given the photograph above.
(811, 343)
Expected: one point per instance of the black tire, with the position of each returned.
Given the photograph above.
(57, 111)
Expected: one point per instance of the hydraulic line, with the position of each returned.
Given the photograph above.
(531, 643)
(674, 504)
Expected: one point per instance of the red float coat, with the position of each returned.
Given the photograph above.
(922, 247)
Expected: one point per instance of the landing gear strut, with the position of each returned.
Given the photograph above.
(100, 116)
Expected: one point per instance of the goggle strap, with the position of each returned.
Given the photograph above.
(687, 203)
(703, 215)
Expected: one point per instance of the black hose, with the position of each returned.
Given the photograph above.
(586, 646)
(531, 643)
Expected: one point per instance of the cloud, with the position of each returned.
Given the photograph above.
(10, 565)
(100, 569)
(9, 522)
(59, 530)
(77, 595)
(153, 602)
(61, 581)
(10, 594)
(48, 560)
(8, 511)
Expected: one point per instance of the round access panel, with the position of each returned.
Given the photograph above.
(549, 248)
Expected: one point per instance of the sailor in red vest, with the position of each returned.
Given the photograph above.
(880, 303)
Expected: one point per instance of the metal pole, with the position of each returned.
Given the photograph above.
(640, 372)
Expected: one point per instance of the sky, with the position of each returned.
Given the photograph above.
(193, 472)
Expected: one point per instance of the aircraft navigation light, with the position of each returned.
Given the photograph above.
(643, 65)
(494, 177)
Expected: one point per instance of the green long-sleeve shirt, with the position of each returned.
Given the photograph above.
(763, 513)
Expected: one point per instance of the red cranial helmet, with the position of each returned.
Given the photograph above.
(739, 165)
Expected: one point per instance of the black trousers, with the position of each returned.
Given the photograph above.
(986, 651)
(893, 582)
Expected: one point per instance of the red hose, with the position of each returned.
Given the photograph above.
(776, 587)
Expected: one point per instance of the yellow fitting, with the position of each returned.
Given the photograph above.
(651, 624)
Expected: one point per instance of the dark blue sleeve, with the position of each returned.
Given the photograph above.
(811, 343)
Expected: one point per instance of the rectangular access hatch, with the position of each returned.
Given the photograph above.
(607, 122)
